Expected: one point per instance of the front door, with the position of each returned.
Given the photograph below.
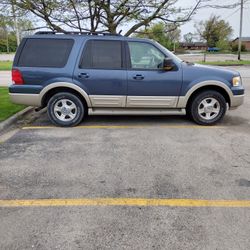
(149, 86)
(101, 73)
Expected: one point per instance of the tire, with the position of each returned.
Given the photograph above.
(65, 109)
(207, 107)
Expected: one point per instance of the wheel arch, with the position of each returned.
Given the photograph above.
(54, 88)
(221, 87)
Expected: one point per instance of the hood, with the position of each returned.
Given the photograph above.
(218, 69)
(197, 72)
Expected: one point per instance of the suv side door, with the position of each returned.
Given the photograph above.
(149, 86)
(101, 72)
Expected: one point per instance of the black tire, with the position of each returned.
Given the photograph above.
(196, 106)
(73, 110)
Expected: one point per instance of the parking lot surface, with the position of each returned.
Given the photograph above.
(212, 57)
(128, 183)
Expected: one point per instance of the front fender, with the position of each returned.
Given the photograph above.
(184, 99)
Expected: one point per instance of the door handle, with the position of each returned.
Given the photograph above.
(138, 77)
(83, 75)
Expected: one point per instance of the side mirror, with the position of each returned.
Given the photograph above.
(168, 64)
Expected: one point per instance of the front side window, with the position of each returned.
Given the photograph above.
(44, 52)
(145, 56)
(101, 54)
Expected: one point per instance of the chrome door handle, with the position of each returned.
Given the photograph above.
(83, 75)
(138, 77)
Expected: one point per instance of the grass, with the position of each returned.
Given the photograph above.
(226, 63)
(5, 65)
(7, 108)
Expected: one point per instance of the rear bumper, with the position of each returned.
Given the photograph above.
(26, 99)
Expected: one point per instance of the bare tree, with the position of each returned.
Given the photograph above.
(108, 15)
(104, 15)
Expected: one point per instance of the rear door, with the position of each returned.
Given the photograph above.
(102, 74)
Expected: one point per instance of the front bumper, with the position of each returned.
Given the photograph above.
(236, 100)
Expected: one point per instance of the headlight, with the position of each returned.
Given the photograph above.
(236, 81)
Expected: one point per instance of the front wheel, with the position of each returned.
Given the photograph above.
(65, 109)
(207, 107)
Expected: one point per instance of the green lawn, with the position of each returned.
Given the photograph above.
(5, 65)
(227, 63)
(7, 108)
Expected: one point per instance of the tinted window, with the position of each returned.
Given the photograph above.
(145, 56)
(102, 55)
(45, 53)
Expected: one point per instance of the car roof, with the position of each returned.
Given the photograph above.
(83, 36)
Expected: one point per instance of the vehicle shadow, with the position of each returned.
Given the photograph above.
(129, 120)
(142, 120)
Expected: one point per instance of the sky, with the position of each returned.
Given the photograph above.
(230, 15)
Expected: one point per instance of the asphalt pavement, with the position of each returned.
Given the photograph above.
(71, 188)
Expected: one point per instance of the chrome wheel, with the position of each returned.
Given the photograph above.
(65, 110)
(209, 108)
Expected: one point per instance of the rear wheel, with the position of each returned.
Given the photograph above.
(207, 107)
(65, 109)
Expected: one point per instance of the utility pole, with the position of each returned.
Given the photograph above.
(15, 23)
(7, 42)
(240, 36)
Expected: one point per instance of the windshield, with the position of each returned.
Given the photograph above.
(169, 53)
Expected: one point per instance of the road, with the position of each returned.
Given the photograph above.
(144, 158)
(193, 56)
(213, 57)
(5, 78)
(7, 57)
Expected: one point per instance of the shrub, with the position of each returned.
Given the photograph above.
(235, 47)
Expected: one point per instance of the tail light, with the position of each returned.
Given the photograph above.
(17, 77)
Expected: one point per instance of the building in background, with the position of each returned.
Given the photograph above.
(245, 42)
(193, 46)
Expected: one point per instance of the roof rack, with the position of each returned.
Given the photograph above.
(76, 33)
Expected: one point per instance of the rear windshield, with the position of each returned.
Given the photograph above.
(45, 52)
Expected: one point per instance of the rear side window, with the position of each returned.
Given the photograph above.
(102, 55)
(45, 53)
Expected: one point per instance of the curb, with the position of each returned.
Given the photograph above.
(14, 118)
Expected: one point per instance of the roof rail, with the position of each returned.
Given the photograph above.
(76, 33)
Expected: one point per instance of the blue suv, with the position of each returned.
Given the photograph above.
(76, 74)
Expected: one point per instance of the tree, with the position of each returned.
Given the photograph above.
(8, 39)
(189, 37)
(223, 44)
(214, 31)
(106, 15)
(166, 34)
